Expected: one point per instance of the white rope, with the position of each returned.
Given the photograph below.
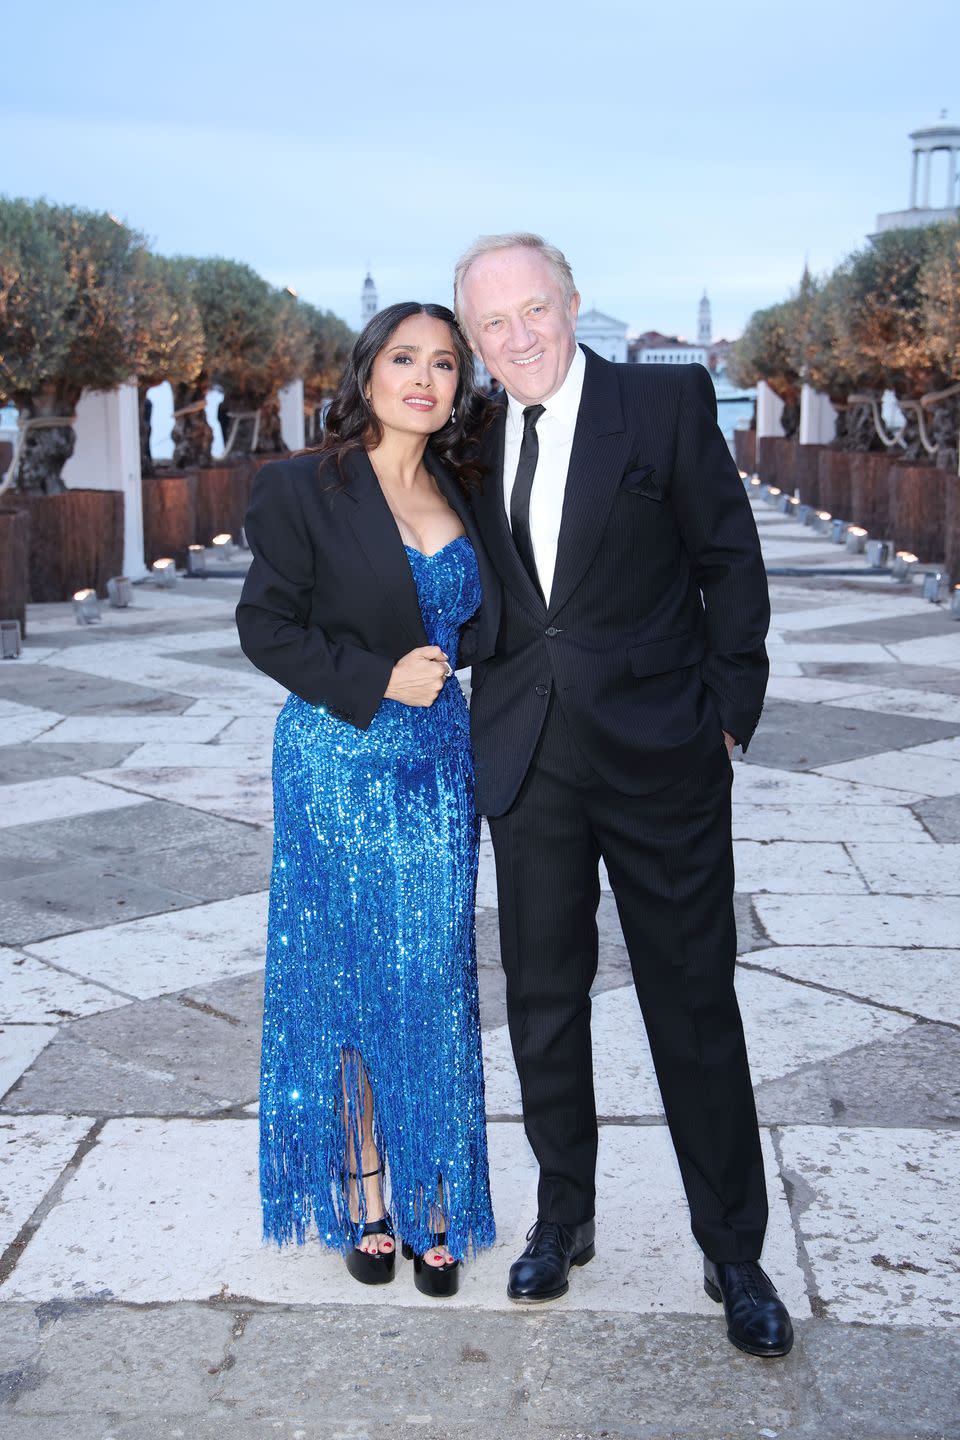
(886, 438)
(236, 417)
(190, 409)
(925, 441)
(26, 423)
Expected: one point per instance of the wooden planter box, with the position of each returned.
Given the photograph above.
(952, 525)
(767, 459)
(918, 503)
(14, 565)
(870, 492)
(806, 474)
(833, 482)
(223, 494)
(169, 515)
(745, 450)
(76, 541)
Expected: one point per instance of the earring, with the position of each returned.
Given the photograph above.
(453, 415)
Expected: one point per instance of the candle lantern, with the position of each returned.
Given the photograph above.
(223, 546)
(196, 559)
(955, 603)
(165, 572)
(903, 566)
(119, 591)
(86, 607)
(838, 531)
(11, 641)
(856, 539)
(877, 553)
(935, 584)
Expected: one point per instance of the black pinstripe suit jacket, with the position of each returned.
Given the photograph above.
(653, 636)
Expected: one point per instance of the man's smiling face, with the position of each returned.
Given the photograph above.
(520, 321)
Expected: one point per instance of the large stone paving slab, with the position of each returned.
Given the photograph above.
(19, 1047)
(794, 737)
(903, 770)
(57, 799)
(33, 762)
(33, 1152)
(786, 1026)
(125, 835)
(237, 794)
(921, 982)
(941, 818)
(33, 993)
(897, 920)
(78, 897)
(769, 821)
(878, 1224)
(68, 693)
(165, 953)
(912, 1079)
(892, 870)
(178, 1218)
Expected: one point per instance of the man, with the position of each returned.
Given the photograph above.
(630, 662)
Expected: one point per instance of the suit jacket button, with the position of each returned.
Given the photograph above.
(551, 631)
(543, 689)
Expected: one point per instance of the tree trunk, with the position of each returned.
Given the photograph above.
(145, 410)
(790, 419)
(270, 439)
(192, 435)
(47, 449)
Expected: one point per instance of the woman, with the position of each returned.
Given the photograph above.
(367, 588)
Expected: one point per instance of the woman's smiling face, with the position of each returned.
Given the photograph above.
(413, 381)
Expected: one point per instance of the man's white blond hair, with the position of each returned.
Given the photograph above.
(518, 239)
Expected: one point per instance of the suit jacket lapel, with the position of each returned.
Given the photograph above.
(597, 460)
(492, 516)
(376, 530)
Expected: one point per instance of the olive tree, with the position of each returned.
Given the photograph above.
(67, 322)
(170, 348)
(767, 351)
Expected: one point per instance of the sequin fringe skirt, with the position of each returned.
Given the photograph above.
(371, 971)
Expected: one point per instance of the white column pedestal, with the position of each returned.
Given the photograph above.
(107, 457)
(769, 411)
(291, 415)
(818, 418)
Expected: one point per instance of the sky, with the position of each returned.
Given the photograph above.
(666, 148)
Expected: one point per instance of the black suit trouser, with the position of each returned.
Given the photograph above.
(669, 856)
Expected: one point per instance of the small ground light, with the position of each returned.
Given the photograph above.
(877, 553)
(196, 559)
(823, 520)
(11, 641)
(838, 531)
(164, 572)
(855, 539)
(223, 545)
(934, 583)
(86, 607)
(955, 603)
(903, 564)
(119, 591)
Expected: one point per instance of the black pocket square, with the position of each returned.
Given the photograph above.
(643, 481)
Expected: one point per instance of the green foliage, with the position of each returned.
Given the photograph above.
(939, 285)
(331, 341)
(767, 350)
(255, 339)
(36, 297)
(881, 326)
(169, 340)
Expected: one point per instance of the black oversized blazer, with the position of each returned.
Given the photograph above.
(329, 603)
(652, 638)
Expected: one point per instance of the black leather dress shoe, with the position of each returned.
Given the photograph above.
(542, 1270)
(757, 1319)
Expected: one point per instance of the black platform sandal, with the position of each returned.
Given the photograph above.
(437, 1281)
(367, 1266)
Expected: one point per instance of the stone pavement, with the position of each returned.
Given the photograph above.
(136, 1299)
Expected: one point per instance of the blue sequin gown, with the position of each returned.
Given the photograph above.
(371, 956)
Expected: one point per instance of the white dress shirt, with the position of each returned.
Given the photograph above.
(555, 438)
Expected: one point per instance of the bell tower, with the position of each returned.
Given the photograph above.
(704, 321)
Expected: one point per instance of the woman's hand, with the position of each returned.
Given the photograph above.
(418, 676)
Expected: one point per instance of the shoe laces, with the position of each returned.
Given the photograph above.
(544, 1231)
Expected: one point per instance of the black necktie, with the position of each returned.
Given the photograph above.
(520, 494)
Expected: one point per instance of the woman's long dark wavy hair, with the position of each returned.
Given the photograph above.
(351, 424)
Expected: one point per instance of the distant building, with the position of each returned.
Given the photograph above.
(935, 140)
(652, 348)
(608, 337)
(704, 321)
(369, 304)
